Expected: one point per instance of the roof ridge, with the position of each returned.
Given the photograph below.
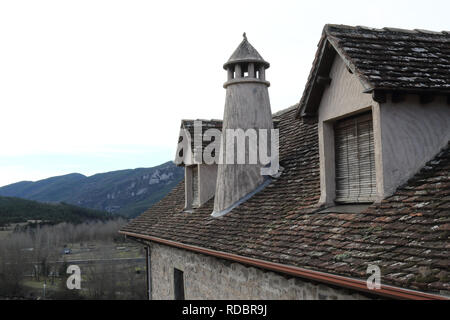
(417, 31)
(275, 114)
(285, 110)
(208, 120)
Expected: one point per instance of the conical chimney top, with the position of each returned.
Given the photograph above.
(245, 52)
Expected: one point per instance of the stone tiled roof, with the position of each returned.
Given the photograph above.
(384, 59)
(394, 58)
(406, 234)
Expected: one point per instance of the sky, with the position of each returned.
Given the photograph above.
(94, 86)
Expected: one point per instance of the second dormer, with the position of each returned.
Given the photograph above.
(198, 141)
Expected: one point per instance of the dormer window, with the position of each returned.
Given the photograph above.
(200, 183)
(200, 176)
(355, 160)
(195, 187)
(192, 187)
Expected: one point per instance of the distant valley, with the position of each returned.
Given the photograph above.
(126, 192)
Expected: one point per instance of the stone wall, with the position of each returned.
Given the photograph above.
(207, 277)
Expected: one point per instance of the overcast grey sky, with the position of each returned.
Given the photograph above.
(93, 86)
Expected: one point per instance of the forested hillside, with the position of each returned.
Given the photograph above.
(15, 210)
(126, 192)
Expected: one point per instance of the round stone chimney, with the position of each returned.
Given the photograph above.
(246, 65)
(247, 106)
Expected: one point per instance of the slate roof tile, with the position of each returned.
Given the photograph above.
(406, 234)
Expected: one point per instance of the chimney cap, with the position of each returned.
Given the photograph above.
(245, 52)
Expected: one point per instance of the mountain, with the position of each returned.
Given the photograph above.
(127, 192)
(16, 210)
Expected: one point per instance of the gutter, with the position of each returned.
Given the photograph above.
(345, 282)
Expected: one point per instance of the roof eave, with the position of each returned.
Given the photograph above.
(368, 86)
(249, 60)
(323, 55)
(341, 281)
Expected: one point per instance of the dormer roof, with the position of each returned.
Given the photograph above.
(388, 59)
(187, 125)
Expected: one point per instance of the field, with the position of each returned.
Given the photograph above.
(4, 234)
(94, 259)
(7, 230)
(111, 266)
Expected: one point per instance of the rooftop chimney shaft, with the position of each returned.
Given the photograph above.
(247, 106)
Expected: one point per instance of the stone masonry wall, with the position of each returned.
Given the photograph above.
(207, 277)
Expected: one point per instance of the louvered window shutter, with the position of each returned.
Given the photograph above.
(195, 193)
(355, 160)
